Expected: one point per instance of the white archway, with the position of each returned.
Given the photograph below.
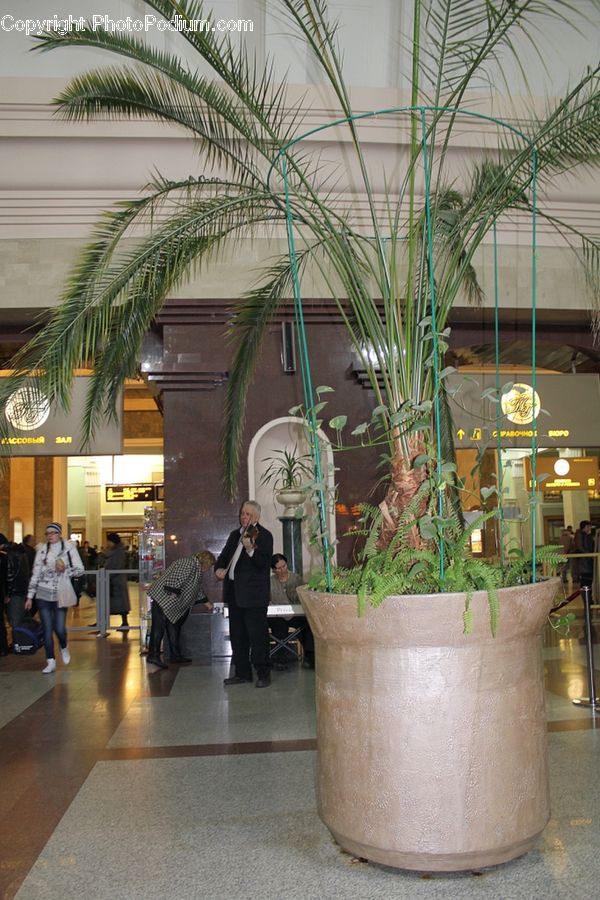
(287, 433)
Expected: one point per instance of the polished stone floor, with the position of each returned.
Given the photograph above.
(123, 782)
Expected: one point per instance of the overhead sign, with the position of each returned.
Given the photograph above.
(134, 493)
(564, 411)
(39, 428)
(564, 474)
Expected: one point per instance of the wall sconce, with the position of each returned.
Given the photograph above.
(288, 347)
(561, 467)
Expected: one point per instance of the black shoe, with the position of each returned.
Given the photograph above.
(155, 661)
(308, 663)
(180, 659)
(265, 681)
(235, 679)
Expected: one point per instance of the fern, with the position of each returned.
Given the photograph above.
(402, 569)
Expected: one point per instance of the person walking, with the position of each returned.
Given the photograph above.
(584, 544)
(115, 557)
(52, 559)
(173, 594)
(244, 568)
(16, 582)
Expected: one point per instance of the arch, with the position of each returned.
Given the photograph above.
(287, 432)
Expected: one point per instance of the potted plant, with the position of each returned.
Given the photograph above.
(286, 471)
(447, 726)
(430, 703)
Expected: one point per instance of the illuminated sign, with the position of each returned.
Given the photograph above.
(38, 428)
(521, 404)
(581, 473)
(486, 412)
(27, 409)
(134, 493)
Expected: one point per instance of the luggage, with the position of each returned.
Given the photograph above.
(28, 637)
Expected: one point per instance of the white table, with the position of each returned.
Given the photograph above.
(275, 610)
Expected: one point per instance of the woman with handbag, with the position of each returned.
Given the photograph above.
(56, 562)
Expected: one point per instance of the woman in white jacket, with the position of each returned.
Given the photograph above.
(51, 560)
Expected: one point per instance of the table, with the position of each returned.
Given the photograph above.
(273, 610)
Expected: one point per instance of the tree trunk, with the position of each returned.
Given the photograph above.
(405, 481)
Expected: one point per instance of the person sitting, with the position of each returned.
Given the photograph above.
(284, 586)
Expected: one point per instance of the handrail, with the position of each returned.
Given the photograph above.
(591, 701)
(566, 601)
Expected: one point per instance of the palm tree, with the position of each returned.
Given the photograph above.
(384, 281)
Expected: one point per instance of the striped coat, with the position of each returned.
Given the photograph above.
(185, 577)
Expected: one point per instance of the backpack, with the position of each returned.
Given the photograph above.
(28, 637)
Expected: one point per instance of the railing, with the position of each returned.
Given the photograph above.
(591, 700)
(103, 576)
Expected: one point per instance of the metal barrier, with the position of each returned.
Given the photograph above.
(591, 701)
(102, 626)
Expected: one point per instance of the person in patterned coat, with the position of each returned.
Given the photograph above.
(173, 594)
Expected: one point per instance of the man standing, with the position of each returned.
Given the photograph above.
(244, 566)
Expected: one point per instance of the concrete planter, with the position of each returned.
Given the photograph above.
(432, 744)
(291, 499)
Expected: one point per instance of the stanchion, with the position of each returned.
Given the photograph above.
(590, 701)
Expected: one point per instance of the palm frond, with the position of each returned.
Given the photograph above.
(110, 303)
(246, 331)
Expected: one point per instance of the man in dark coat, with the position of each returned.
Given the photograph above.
(115, 556)
(3, 594)
(244, 567)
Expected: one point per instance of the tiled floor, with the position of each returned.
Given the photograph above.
(116, 783)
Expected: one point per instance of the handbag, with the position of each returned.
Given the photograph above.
(65, 592)
(78, 581)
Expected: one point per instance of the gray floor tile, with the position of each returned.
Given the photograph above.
(246, 827)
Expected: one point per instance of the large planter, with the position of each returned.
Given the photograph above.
(432, 743)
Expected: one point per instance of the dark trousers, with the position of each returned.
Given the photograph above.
(249, 634)
(280, 628)
(3, 638)
(159, 625)
(54, 619)
(16, 609)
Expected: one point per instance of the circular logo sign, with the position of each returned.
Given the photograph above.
(27, 409)
(521, 405)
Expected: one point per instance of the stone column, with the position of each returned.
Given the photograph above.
(59, 492)
(22, 493)
(292, 542)
(576, 507)
(93, 506)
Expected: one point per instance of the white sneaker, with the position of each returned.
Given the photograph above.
(66, 655)
(50, 667)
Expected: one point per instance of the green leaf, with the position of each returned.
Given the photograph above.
(338, 422)
(427, 528)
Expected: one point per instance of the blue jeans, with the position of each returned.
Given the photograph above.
(54, 619)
